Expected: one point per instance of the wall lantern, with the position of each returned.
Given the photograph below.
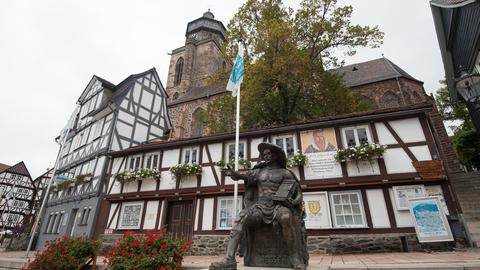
(468, 85)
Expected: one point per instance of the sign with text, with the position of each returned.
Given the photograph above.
(431, 224)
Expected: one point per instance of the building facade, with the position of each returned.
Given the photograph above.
(108, 118)
(351, 207)
(18, 195)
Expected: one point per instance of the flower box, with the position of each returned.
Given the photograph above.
(185, 169)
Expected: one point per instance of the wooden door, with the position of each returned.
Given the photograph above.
(180, 219)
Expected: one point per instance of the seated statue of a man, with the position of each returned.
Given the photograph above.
(264, 205)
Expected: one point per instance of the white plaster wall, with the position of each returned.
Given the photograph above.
(409, 130)
(170, 158)
(128, 118)
(136, 92)
(364, 168)
(99, 168)
(384, 135)
(130, 187)
(115, 218)
(188, 181)
(157, 104)
(160, 216)
(118, 165)
(167, 182)
(140, 132)
(421, 152)
(403, 217)
(148, 184)
(215, 152)
(397, 161)
(150, 215)
(156, 131)
(145, 114)
(295, 171)
(207, 176)
(378, 208)
(254, 147)
(207, 221)
(116, 186)
(147, 99)
(124, 129)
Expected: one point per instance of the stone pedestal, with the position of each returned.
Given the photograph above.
(270, 248)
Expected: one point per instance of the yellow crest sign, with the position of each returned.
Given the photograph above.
(314, 207)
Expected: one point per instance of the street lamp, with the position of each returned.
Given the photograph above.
(468, 85)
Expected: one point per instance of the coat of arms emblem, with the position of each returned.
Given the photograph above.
(314, 207)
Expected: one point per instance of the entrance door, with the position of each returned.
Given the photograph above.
(180, 219)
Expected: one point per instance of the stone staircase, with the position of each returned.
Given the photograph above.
(467, 188)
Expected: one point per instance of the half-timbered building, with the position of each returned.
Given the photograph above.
(108, 118)
(350, 206)
(17, 196)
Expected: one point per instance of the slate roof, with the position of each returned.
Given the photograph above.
(450, 3)
(19, 168)
(3, 167)
(371, 71)
(199, 92)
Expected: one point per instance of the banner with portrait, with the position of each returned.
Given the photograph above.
(317, 210)
(320, 147)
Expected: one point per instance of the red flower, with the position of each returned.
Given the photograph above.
(135, 243)
(163, 246)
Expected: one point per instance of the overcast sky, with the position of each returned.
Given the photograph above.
(49, 51)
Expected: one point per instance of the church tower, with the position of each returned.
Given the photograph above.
(190, 69)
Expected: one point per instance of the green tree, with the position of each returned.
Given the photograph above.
(465, 139)
(287, 53)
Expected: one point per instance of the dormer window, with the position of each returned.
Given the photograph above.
(178, 72)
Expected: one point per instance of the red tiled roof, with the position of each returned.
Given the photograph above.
(3, 167)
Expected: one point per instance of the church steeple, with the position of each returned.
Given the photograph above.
(207, 23)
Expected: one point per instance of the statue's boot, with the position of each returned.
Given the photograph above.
(228, 263)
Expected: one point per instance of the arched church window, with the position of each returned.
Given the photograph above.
(390, 100)
(175, 96)
(197, 122)
(178, 72)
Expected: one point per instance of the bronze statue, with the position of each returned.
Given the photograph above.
(272, 198)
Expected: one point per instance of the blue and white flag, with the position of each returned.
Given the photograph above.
(236, 77)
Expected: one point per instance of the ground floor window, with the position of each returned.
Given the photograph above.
(347, 209)
(131, 215)
(225, 211)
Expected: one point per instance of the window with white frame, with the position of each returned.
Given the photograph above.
(347, 209)
(230, 155)
(151, 161)
(356, 135)
(131, 215)
(225, 211)
(134, 163)
(190, 155)
(287, 143)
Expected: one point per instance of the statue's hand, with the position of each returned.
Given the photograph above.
(228, 171)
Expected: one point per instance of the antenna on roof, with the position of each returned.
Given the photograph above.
(383, 56)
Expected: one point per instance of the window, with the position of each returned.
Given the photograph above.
(197, 122)
(231, 151)
(390, 100)
(52, 225)
(48, 222)
(190, 155)
(225, 210)
(151, 161)
(60, 220)
(85, 215)
(287, 143)
(178, 72)
(134, 163)
(357, 135)
(131, 215)
(347, 209)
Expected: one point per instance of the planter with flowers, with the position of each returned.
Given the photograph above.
(242, 164)
(297, 160)
(363, 152)
(185, 169)
(153, 250)
(131, 176)
(65, 253)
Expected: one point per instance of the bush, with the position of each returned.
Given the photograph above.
(154, 250)
(64, 253)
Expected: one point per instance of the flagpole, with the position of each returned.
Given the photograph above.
(237, 139)
(45, 197)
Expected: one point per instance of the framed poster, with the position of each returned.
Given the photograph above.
(317, 210)
(436, 191)
(431, 224)
(320, 147)
(404, 193)
(130, 215)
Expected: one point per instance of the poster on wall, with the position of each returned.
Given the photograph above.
(317, 210)
(404, 193)
(430, 221)
(436, 191)
(320, 147)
